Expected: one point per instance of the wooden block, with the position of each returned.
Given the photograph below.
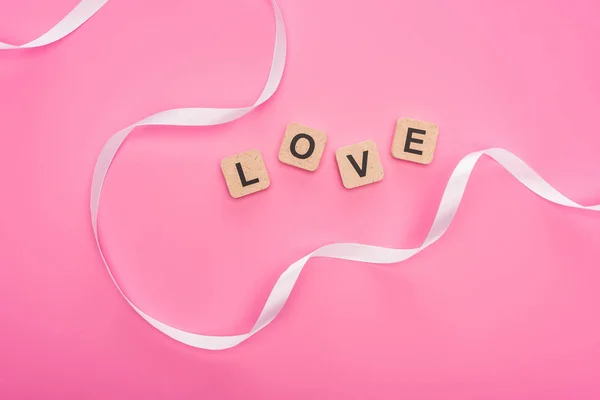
(245, 173)
(359, 164)
(302, 147)
(414, 140)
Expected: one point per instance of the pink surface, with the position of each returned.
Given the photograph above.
(504, 306)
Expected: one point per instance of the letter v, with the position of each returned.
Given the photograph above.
(362, 172)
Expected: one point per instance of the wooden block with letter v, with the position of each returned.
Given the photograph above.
(359, 164)
(414, 140)
(245, 173)
(302, 147)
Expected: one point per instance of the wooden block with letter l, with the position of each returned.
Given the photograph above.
(245, 173)
(359, 164)
(302, 147)
(414, 140)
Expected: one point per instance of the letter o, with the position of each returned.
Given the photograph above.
(311, 146)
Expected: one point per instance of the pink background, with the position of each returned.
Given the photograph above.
(504, 306)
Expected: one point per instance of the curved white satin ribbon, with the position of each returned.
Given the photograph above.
(348, 251)
(187, 117)
(73, 20)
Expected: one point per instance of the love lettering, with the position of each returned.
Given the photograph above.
(302, 147)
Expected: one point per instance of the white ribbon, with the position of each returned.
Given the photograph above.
(347, 251)
(73, 20)
(187, 117)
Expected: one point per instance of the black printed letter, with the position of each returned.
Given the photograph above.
(410, 139)
(311, 146)
(240, 172)
(362, 172)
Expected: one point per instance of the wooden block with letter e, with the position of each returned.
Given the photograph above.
(245, 173)
(359, 164)
(414, 140)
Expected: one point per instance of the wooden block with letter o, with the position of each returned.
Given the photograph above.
(359, 164)
(245, 173)
(414, 140)
(302, 147)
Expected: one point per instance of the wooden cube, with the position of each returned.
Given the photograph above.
(414, 140)
(245, 173)
(359, 164)
(302, 147)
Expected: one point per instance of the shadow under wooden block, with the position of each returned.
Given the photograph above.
(302, 147)
(245, 173)
(414, 140)
(359, 164)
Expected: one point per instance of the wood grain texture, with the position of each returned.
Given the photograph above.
(414, 140)
(363, 172)
(252, 178)
(295, 146)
